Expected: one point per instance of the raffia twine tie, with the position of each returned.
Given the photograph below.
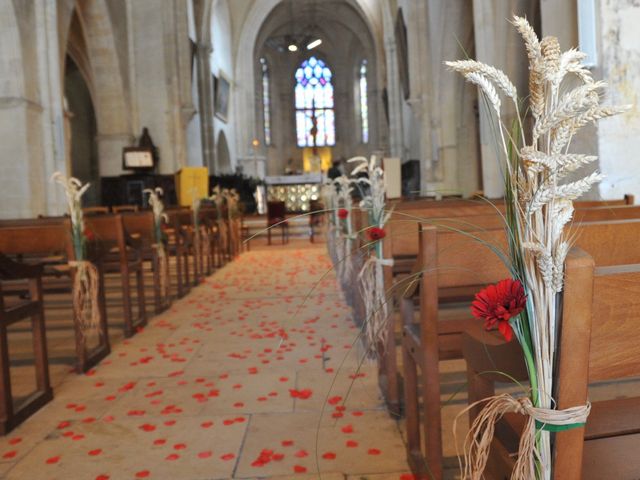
(86, 287)
(477, 443)
(163, 268)
(372, 289)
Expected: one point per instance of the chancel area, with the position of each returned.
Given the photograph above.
(333, 239)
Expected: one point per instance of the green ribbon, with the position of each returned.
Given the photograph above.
(557, 428)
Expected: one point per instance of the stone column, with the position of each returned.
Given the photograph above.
(205, 103)
(396, 133)
(47, 152)
(498, 44)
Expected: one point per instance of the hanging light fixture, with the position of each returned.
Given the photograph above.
(314, 44)
(293, 42)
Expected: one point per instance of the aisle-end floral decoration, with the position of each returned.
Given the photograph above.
(86, 281)
(372, 189)
(541, 181)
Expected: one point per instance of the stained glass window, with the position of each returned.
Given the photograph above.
(314, 102)
(364, 105)
(266, 102)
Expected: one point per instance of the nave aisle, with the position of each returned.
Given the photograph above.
(252, 375)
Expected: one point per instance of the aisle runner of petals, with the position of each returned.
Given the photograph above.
(252, 375)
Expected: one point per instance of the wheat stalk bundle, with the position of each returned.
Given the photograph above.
(371, 276)
(86, 281)
(539, 207)
(159, 217)
(344, 189)
(329, 194)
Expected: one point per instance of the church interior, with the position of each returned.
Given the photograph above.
(333, 239)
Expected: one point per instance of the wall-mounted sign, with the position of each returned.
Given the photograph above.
(137, 158)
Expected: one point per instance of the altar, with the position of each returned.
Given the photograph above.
(297, 191)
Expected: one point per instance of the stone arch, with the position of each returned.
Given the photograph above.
(244, 94)
(105, 75)
(222, 154)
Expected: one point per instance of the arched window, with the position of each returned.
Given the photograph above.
(364, 105)
(266, 102)
(314, 104)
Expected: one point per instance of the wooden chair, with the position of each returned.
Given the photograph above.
(125, 258)
(124, 208)
(48, 241)
(276, 217)
(13, 310)
(599, 343)
(179, 243)
(184, 221)
(142, 226)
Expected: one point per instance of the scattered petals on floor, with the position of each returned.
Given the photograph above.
(252, 375)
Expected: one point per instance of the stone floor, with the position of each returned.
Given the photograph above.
(255, 374)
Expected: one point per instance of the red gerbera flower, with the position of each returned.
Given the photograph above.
(497, 304)
(343, 213)
(375, 234)
(89, 235)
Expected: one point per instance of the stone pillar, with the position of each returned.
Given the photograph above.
(205, 103)
(499, 44)
(31, 115)
(396, 134)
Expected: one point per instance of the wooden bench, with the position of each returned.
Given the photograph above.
(401, 244)
(452, 260)
(48, 241)
(142, 226)
(122, 256)
(599, 342)
(12, 310)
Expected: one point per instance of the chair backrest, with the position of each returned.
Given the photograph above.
(95, 211)
(40, 237)
(124, 208)
(108, 229)
(461, 260)
(140, 223)
(276, 210)
(401, 228)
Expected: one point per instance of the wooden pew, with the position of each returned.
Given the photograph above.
(12, 310)
(599, 342)
(49, 241)
(401, 244)
(449, 259)
(403, 238)
(142, 226)
(124, 257)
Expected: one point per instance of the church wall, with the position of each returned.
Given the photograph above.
(619, 137)
(222, 65)
(344, 36)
